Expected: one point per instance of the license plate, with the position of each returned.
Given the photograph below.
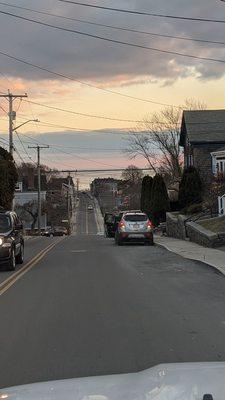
(133, 236)
(136, 226)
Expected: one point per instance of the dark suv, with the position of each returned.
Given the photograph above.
(11, 240)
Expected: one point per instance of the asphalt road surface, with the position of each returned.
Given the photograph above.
(92, 308)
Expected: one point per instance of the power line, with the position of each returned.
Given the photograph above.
(120, 28)
(83, 158)
(61, 75)
(25, 151)
(56, 148)
(72, 147)
(2, 108)
(84, 114)
(120, 42)
(143, 12)
(19, 155)
(76, 130)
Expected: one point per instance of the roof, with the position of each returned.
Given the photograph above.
(203, 126)
(219, 151)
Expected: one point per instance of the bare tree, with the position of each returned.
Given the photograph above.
(132, 174)
(131, 185)
(29, 212)
(156, 139)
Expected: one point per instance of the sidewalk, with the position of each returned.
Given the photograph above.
(193, 251)
(99, 218)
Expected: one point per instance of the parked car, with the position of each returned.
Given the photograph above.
(60, 231)
(56, 231)
(110, 224)
(11, 240)
(90, 208)
(48, 232)
(134, 227)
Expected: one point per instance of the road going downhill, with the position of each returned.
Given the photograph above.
(92, 308)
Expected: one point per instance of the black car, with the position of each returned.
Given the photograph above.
(11, 240)
(109, 223)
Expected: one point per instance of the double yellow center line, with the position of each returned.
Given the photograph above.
(4, 286)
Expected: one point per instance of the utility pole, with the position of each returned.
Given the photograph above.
(68, 203)
(78, 182)
(12, 115)
(38, 148)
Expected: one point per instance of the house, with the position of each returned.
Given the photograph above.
(57, 199)
(218, 170)
(105, 190)
(202, 134)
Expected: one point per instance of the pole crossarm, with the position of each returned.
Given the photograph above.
(11, 114)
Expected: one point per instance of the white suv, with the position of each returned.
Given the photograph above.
(134, 226)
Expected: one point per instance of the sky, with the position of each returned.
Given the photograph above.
(98, 68)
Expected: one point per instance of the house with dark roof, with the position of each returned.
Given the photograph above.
(202, 137)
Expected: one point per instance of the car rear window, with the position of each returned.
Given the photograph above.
(5, 223)
(135, 218)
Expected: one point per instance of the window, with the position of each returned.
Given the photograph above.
(220, 166)
(5, 223)
(135, 218)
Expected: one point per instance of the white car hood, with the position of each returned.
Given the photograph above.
(189, 381)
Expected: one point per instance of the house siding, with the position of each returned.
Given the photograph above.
(202, 159)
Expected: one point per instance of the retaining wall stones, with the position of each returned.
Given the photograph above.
(175, 225)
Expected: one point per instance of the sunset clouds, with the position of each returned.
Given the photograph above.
(136, 72)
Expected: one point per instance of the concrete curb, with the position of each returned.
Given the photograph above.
(194, 252)
(99, 218)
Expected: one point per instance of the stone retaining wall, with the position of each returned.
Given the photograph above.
(178, 227)
(175, 225)
(200, 235)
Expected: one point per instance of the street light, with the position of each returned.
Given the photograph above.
(24, 123)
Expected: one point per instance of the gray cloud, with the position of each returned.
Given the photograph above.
(91, 59)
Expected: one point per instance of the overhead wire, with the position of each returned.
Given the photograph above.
(2, 108)
(61, 75)
(146, 13)
(120, 42)
(83, 114)
(57, 148)
(120, 28)
(25, 150)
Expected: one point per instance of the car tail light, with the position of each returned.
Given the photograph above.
(150, 225)
(121, 225)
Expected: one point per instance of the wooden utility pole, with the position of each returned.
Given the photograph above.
(38, 148)
(12, 115)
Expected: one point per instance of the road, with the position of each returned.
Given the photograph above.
(92, 308)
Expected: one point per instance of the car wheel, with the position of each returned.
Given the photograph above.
(149, 243)
(20, 257)
(12, 261)
(119, 241)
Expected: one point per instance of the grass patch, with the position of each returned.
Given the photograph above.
(214, 224)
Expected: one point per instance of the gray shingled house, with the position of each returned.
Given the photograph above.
(202, 136)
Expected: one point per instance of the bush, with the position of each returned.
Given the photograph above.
(193, 209)
(190, 190)
(146, 194)
(159, 200)
(8, 179)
